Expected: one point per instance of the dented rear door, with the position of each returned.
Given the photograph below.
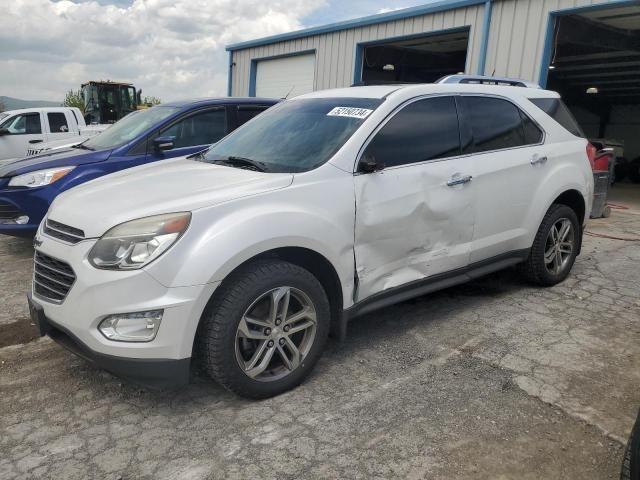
(415, 217)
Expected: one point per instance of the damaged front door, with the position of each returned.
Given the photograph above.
(414, 199)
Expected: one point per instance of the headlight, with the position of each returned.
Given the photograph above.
(134, 244)
(40, 178)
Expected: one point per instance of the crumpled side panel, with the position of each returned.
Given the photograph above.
(411, 225)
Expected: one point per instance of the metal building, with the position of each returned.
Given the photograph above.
(568, 45)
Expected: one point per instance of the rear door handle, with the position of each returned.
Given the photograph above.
(35, 141)
(538, 160)
(459, 180)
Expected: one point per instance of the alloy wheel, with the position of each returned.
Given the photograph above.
(559, 246)
(275, 334)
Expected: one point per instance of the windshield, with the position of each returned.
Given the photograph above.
(295, 136)
(129, 128)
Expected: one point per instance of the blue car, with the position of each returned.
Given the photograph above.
(28, 186)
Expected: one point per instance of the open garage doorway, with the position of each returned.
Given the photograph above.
(415, 59)
(595, 65)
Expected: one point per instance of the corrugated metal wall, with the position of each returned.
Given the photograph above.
(335, 52)
(515, 49)
(518, 32)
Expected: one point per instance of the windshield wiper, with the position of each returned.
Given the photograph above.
(242, 162)
(83, 147)
(198, 155)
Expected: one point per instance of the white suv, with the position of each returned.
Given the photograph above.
(327, 206)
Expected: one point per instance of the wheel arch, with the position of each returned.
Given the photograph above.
(574, 200)
(316, 263)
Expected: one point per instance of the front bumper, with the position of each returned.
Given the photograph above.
(96, 294)
(33, 203)
(149, 372)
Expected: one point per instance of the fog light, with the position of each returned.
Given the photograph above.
(22, 220)
(132, 327)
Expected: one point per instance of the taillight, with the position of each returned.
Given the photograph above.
(591, 155)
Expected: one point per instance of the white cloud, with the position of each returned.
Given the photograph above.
(170, 48)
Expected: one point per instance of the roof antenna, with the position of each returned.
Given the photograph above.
(288, 93)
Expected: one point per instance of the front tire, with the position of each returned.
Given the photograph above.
(265, 328)
(555, 247)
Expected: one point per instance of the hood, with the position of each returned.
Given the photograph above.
(178, 185)
(61, 157)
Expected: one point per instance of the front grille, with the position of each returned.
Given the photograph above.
(63, 232)
(8, 211)
(52, 278)
(34, 151)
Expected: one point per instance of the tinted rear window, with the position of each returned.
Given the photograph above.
(247, 112)
(497, 124)
(556, 109)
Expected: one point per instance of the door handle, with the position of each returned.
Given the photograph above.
(35, 141)
(538, 160)
(459, 180)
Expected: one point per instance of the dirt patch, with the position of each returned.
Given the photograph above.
(22, 331)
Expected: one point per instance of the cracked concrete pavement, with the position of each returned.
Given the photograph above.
(489, 380)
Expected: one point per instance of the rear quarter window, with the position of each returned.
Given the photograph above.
(556, 109)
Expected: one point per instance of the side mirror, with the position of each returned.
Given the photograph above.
(164, 143)
(369, 164)
(4, 131)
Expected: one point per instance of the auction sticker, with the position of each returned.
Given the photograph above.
(350, 112)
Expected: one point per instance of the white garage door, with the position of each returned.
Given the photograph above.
(290, 76)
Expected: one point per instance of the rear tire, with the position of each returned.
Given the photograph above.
(265, 328)
(554, 249)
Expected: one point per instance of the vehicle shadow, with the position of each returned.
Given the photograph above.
(396, 320)
(367, 337)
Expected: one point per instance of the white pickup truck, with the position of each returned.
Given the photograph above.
(25, 131)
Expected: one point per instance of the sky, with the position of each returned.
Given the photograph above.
(172, 49)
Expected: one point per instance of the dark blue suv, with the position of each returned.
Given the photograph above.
(28, 186)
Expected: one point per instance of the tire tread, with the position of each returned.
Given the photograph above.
(216, 322)
(532, 270)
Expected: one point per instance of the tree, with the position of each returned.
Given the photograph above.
(151, 101)
(73, 98)
(3, 107)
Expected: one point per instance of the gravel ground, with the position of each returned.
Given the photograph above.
(489, 380)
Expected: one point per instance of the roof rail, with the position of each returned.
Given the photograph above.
(370, 83)
(482, 80)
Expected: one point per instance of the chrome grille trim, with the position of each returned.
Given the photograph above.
(63, 232)
(53, 269)
(52, 278)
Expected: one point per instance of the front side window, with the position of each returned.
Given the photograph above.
(498, 124)
(423, 130)
(57, 122)
(296, 135)
(201, 128)
(25, 124)
(129, 128)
